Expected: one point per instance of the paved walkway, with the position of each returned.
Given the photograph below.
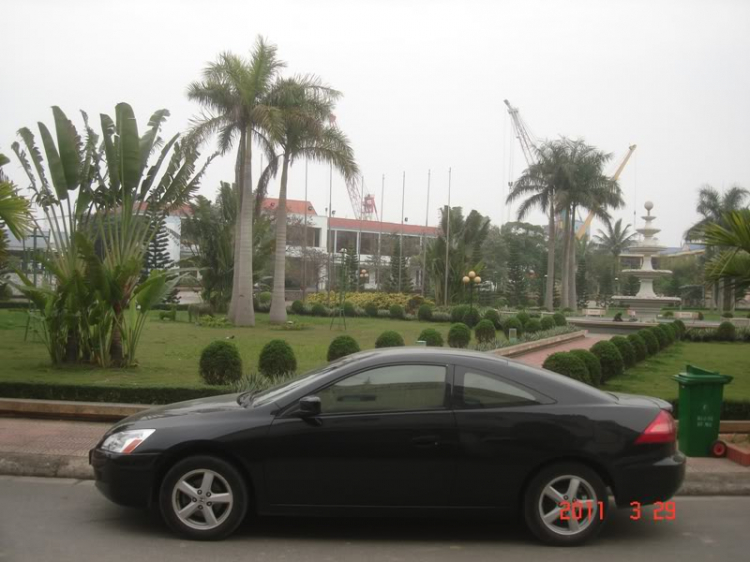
(536, 358)
(49, 437)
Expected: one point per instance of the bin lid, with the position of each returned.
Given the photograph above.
(696, 375)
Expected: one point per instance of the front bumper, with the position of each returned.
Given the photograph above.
(125, 479)
(650, 482)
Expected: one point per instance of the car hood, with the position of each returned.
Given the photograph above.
(199, 406)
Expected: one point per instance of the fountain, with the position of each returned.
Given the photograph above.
(646, 303)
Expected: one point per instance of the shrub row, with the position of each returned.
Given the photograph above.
(725, 332)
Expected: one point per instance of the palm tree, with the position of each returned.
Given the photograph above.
(234, 91)
(733, 263)
(541, 183)
(614, 241)
(714, 208)
(14, 209)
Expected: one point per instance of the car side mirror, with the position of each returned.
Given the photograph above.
(309, 406)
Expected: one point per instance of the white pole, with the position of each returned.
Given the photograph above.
(447, 238)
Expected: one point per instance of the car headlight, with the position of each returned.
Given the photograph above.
(126, 442)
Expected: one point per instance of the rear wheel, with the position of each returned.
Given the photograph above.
(566, 504)
(203, 498)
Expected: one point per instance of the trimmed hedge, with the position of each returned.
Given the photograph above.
(459, 335)
(652, 343)
(493, 316)
(726, 332)
(532, 326)
(431, 337)
(547, 322)
(593, 365)
(349, 309)
(559, 319)
(523, 317)
(277, 358)
(298, 307)
(319, 310)
(660, 336)
(371, 309)
(458, 313)
(567, 364)
(512, 322)
(626, 349)
(220, 363)
(679, 327)
(610, 358)
(668, 331)
(341, 346)
(639, 345)
(389, 338)
(396, 312)
(472, 317)
(108, 394)
(425, 313)
(485, 332)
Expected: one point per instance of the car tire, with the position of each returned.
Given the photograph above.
(203, 498)
(554, 489)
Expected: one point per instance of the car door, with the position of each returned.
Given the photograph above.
(504, 429)
(385, 437)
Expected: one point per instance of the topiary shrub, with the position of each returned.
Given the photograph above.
(626, 349)
(389, 338)
(264, 297)
(439, 316)
(349, 309)
(532, 326)
(726, 332)
(560, 319)
(593, 366)
(425, 313)
(679, 326)
(220, 363)
(610, 359)
(639, 345)
(342, 346)
(298, 307)
(458, 312)
(319, 310)
(567, 364)
(459, 335)
(727, 315)
(512, 322)
(652, 342)
(396, 311)
(277, 359)
(618, 317)
(485, 332)
(547, 322)
(493, 316)
(661, 335)
(523, 317)
(668, 314)
(371, 309)
(431, 337)
(472, 317)
(671, 332)
(700, 315)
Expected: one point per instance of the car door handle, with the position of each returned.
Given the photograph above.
(426, 441)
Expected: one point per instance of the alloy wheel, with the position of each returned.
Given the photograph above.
(202, 499)
(568, 505)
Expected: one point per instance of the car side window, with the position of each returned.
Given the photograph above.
(477, 389)
(392, 388)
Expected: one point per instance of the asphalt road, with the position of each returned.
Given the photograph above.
(58, 520)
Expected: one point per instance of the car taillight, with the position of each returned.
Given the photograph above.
(661, 430)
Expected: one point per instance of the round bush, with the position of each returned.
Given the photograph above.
(298, 307)
(548, 323)
(485, 331)
(493, 316)
(319, 310)
(652, 343)
(680, 328)
(342, 346)
(727, 315)
(668, 314)
(389, 339)
(626, 349)
(593, 366)
(264, 297)
(609, 357)
(567, 364)
(431, 337)
(560, 319)
(639, 345)
(524, 317)
(459, 335)
(396, 312)
(532, 326)
(349, 309)
(425, 313)
(220, 363)
(472, 317)
(661, 336)
(277, 359)
(458, 313)
(726, 332)
(512, 322)
(371, 309)
(671, 332)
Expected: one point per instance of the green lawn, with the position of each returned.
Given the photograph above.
(168, 352)
(654, 376)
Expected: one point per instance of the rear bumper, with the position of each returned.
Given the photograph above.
(650, 482)
(124, 479)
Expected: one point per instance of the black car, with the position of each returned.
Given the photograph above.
(398, 431)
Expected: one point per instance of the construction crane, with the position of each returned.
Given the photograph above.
(527, 141)
(363, 204)
(587, 223)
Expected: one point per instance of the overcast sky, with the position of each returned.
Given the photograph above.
(423, 84)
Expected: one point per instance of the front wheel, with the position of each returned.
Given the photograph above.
(203, 498)
(566, 504)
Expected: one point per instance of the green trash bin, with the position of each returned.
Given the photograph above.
(701, 395)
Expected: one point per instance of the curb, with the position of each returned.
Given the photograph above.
(527, 347)
(67, 410)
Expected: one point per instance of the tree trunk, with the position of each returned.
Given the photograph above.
(572, 295)
(237, 223)
(115, 346)
(564, 269)
(278, 299)
(549, 290)
(242, 293)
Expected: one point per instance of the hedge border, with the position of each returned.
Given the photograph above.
(108, 394)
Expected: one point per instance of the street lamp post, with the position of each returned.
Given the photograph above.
(363, 275)
(471, 280)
